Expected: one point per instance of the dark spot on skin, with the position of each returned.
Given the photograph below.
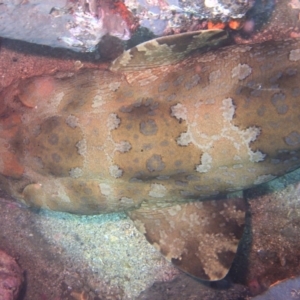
(154, 106)
(38, 161)
(178, 81)
(261, 111)
(134, 179)
(138, 103)
(151, 113)
(139, 174)
(55, 170)
(171, 97)
(180, 171)
(147, 147)
(278, 100)
(193, 82)
(53, 139)
(148, 127)
(275, 161)
(293, 139)
(291, 71)
(75, 103)
(239, 90)
(83, 189)
(36, 130)
(253, 84)
(181, 183)
(163, 177)
(155, 163)
(296, 92)
(142, 177)
(266, 67)
(178, 163)
(256, 93)
(51, 124)
(148, 102)
(163, 87)
(126, 109)
(55, 157)
(164, 143)
(275, 77)
(128, 126)
(192, 177)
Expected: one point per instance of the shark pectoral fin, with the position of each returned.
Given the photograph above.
(200, 238)
(168, 50)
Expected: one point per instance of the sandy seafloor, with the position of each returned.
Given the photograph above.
(66, 256)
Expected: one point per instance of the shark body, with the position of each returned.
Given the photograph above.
(165, 134)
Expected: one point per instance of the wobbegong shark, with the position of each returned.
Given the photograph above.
(170, 133)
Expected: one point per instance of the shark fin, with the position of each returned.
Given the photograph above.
(200, 238)
(168, 50)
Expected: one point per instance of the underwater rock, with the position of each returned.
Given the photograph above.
(169, 124)
(80, 25)
(65, 24)
(92, 20)
(286, 289)
(11, 277)
(168, 16)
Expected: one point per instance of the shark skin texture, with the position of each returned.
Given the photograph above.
(170, 133)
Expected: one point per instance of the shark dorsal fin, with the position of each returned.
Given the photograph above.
(168, 50)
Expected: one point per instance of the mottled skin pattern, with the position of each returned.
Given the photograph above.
(165, 127)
